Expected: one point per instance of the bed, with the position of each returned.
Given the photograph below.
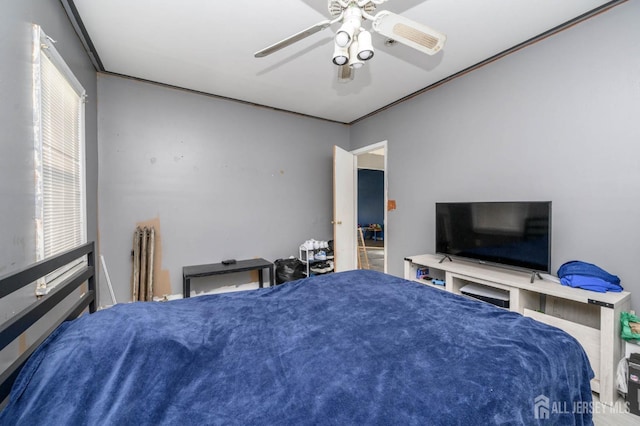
(358, 347)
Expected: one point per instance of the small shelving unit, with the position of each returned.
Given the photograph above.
(308, 257)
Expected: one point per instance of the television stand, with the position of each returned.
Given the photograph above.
(445, 257)
(592, 318)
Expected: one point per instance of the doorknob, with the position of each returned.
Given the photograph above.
(336, 223)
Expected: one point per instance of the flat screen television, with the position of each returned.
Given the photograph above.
(512, 234)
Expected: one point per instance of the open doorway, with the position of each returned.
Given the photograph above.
(371, 202)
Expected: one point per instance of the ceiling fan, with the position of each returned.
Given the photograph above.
(352, 42)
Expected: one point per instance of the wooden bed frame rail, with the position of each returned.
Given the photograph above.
(13, 328)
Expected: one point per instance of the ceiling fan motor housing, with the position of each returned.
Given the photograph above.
(353, 17)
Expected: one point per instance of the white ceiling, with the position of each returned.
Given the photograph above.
(208, 46)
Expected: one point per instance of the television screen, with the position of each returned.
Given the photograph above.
(515, 234)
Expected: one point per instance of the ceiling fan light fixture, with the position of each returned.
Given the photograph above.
(340, 55)
(354, 61)
(365, 46)
(344, 35)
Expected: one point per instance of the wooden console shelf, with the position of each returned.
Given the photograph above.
(592, 318)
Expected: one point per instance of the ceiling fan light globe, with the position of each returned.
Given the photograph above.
(365, 46)
(365, 55)
(345, 34)
(356, 65)
(340, 55)
(340, 60)
(342, 38)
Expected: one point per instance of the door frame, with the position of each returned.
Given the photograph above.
(364, 150)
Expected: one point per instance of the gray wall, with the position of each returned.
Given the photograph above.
(17, 208)
(220, 179)
(555, 121)
(17, 185)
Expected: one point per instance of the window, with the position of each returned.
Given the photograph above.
(59, 154)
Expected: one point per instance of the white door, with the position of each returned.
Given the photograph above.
(344, 210)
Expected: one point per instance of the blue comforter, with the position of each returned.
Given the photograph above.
(356, 347)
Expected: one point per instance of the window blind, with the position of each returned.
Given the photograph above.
(59, 130)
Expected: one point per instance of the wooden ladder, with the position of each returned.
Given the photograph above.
(362, 249)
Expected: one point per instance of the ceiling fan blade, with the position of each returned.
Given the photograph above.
(408, 32)
(293, 39)
(345, 74)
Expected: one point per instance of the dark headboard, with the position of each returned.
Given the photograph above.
(13, 328)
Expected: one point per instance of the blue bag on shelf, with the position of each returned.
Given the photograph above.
(588, 276)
